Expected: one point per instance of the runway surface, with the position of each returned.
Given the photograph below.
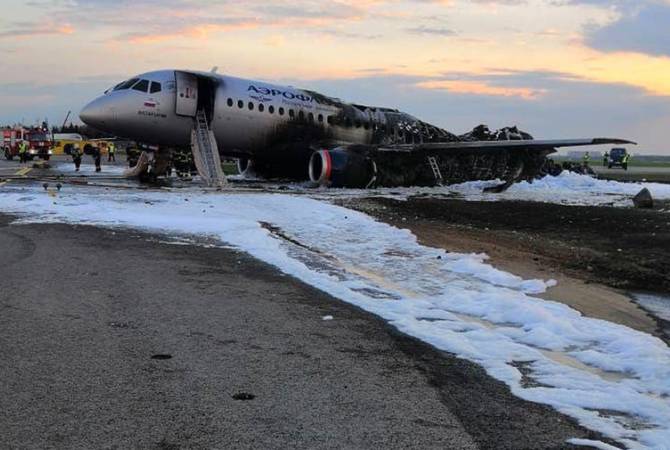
(86, 312)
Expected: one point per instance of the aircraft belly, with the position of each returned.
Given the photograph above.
(237, 134)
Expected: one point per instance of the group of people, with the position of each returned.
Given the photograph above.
(77, 154)
(181, 161)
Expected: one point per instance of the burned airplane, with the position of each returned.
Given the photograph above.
(282, 132)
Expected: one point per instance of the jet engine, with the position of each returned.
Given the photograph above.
(341, 167)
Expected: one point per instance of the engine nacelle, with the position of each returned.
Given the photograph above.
(341, 168)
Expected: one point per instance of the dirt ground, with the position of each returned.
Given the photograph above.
(597, 254)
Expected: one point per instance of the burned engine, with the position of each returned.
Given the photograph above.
(361, 166)
(343, 167)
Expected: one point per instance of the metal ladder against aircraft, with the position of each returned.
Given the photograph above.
(432, 161)
(206, 152)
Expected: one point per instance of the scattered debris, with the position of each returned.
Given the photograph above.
(243, 396)
(643, 199)
(161, 356)
(327, 318)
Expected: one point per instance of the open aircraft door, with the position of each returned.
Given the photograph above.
(187, 94)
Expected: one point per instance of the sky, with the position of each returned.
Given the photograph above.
(555, 68)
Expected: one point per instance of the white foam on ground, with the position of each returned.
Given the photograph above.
(657, 305)
(88, 169)
(567, 188)
(611, 378)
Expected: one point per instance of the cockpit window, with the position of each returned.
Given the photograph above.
(142, 86)
(126, 84)
(155, 87)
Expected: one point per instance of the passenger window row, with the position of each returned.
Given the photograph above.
(139, 85)
(310, 116)
(281, 111)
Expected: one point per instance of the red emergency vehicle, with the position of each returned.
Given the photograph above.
(39, 143)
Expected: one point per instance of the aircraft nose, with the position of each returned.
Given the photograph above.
(97, 114)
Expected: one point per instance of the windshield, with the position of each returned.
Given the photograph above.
(126, 84)
(38, 137)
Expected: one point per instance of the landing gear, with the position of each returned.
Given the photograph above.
(245, 167)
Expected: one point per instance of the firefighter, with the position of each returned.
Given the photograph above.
(76, 156)
(23, 152)
(606, 159)
(111, 152)
(96, 158)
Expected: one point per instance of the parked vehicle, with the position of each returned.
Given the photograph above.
(39, 143)
(619, 157)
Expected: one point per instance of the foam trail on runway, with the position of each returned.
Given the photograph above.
(567, 189)
(611, 378)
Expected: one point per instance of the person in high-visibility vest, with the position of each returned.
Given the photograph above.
(23, 152)
(606, 159)
(624, 161)
(111, 152)
(587, 159)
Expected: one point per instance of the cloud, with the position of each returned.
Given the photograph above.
(199, 31)
(432, 31)
(639, 26)
(481, 88)
(24, 30)
(151, 21)
(645, 30)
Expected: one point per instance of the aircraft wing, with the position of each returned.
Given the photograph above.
(489, 146)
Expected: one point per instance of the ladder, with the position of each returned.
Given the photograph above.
(436, 170)
(206, 152)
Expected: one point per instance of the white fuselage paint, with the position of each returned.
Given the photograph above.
(239, 129)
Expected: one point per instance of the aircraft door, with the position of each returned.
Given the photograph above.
(187, 94)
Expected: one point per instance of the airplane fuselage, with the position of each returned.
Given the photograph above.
(296, 133)
(249, 118)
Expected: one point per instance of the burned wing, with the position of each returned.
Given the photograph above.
(431, 164)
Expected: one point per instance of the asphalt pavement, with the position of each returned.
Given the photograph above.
(114, 339)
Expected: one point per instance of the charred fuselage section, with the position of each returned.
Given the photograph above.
(357, 146)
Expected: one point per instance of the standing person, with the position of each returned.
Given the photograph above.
(23, 152)
(587, 159)
(76, 157)
(606, 159)
(96, 158)
(625, 160)
(111, 152)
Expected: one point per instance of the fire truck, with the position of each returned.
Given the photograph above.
(39, 143)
